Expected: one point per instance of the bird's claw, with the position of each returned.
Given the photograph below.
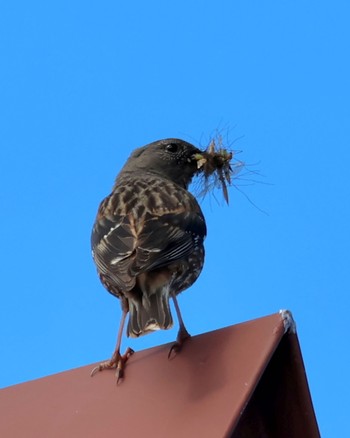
(177, 345)
(117, 361)
(174, 349)
(119, 373)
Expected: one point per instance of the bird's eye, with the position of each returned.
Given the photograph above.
(172, 147)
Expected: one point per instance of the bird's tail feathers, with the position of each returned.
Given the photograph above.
(153, 313)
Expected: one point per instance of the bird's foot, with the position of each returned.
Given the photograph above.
(182, 336)
(117, 361)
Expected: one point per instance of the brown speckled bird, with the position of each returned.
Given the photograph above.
(147, 241)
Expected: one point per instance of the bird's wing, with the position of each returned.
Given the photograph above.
(113, 244)
(167, 238)
(125, 246)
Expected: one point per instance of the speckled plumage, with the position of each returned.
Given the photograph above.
(147, 240)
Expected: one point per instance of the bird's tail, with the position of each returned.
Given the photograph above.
(149, 314)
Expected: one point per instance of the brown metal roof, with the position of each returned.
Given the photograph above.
(247, 380)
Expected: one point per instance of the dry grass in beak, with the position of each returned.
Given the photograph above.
(216, 163)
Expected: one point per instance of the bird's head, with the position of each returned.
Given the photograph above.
(170, 158)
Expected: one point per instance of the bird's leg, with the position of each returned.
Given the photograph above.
(182, 334)
(117, 360)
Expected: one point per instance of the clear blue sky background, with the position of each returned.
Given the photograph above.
(84, 83)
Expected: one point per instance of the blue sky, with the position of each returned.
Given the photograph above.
(83, 83)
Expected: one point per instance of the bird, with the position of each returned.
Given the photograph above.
(148, 241)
